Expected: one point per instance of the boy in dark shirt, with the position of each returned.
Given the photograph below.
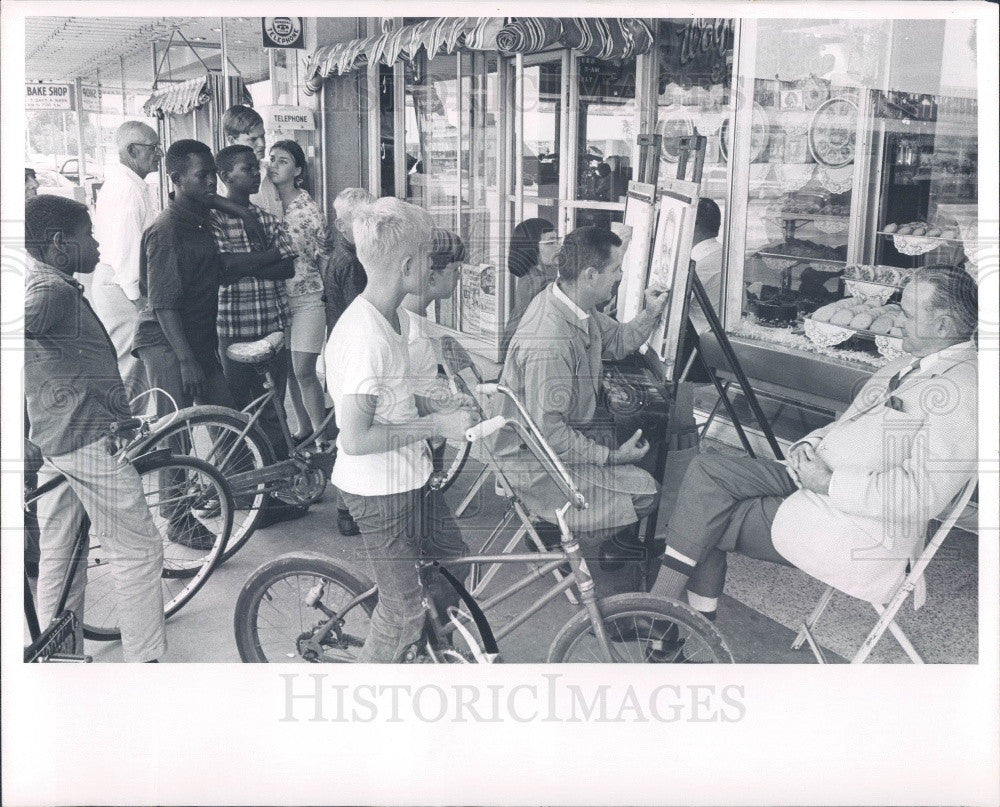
(179, 275)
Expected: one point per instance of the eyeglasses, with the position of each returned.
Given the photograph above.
(154, 146)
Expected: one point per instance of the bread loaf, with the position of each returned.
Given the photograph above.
(862, 321)
(882, 324)
(842, 317)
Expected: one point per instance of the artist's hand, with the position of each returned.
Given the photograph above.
(632, 450)
(656, 299)
(814, 474)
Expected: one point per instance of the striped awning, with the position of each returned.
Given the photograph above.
(440, 35)
(597, 37)
(180, 98)
(603, 38)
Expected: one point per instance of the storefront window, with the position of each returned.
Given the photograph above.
(695, 66)
(607, 125)
(451, 140)
(432, 138)
(925, 177)
(542, 111)
(860, 161)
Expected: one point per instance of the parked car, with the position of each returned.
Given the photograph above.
(55, 184)
(71, 170)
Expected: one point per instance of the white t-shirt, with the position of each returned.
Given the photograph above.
(424, 379)
(365, 356)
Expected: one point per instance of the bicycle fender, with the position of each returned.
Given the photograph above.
(482, 624)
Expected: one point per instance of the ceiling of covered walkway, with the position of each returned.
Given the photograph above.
(106, 48)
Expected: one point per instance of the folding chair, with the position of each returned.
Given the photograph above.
(456, 360)
(887, 613)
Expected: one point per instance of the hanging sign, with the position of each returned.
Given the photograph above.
(698, 51)
(289, 118)
(282, 32)
(90, 99)
(48, 96)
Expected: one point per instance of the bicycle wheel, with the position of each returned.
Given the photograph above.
(215, 435)
(642, 629)
(448, 460)
(192, 509)
(285, 604)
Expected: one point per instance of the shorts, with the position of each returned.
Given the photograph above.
(308, 328)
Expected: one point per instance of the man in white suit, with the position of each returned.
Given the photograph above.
(851, 504)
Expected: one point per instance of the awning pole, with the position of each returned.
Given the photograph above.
(80, 156)
(226, 100)
(121, 65)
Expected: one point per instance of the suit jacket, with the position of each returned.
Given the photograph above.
(898, 459)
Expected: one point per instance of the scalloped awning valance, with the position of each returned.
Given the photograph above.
(599, 37)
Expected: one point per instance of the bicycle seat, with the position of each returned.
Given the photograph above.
(258, 351)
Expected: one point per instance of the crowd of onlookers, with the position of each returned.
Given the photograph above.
(241, 252)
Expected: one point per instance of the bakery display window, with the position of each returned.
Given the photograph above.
(859, 164)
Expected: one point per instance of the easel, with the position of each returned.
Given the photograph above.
(692, 156)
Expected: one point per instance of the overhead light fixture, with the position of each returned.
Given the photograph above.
(198, 39)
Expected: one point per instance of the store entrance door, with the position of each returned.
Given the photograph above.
(540, 136)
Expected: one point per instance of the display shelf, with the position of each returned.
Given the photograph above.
(790, 216)
(798, 258)
(924, 237)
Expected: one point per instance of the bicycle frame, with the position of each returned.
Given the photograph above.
(569, 551)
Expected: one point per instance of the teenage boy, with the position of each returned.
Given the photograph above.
(74, 393)
(243, 126)
(255, 305)
(179, 275)
(383, 462)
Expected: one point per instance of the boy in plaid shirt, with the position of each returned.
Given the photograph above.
(252, 307)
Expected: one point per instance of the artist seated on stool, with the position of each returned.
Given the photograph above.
(554, 366)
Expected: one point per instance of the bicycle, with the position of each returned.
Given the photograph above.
(180, 490)
(312, 608)
(234, 442)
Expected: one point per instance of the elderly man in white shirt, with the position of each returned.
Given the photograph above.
(126, 206)
(851, 504)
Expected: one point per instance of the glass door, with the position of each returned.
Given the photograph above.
(540, 136)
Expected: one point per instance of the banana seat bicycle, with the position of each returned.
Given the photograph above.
(192, 509)
(311, 608)
(234, 442)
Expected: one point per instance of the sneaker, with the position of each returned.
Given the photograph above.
(346, 523)
(188, 531)
(277, 511)
(207, 508)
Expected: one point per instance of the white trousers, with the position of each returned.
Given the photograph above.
(119, 316)
(112, 496)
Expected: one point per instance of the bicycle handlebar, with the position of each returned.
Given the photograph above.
(485, 428)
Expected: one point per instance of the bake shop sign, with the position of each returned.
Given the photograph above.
(698, 51)
(282, 32)
(49, 96)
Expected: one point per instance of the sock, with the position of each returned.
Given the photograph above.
(706, 606)
(672, 580)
